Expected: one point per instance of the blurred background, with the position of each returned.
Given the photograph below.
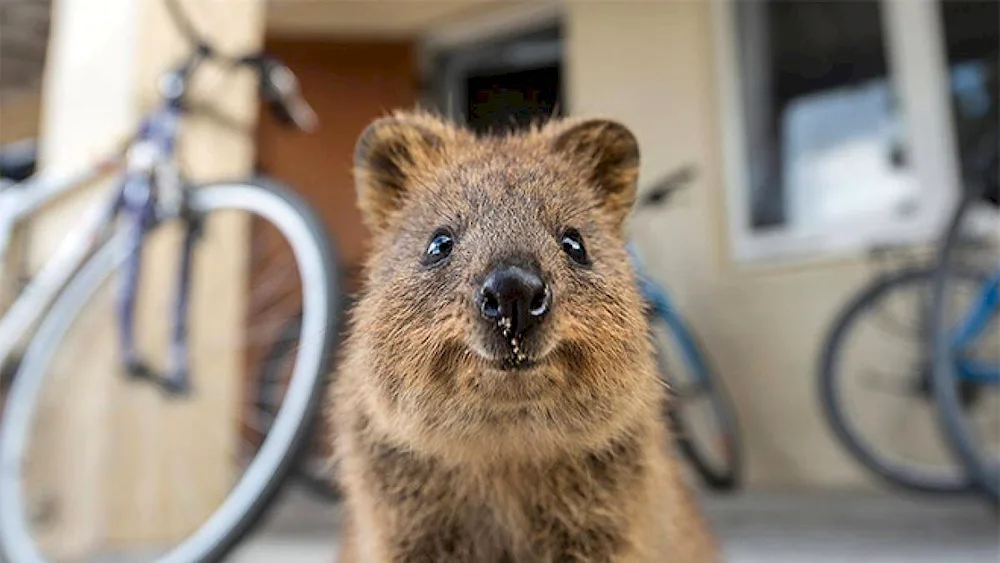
(825, 146)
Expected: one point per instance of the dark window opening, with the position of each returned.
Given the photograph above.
(503, 84)
(502, 101)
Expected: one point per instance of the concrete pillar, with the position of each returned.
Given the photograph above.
(118, 465)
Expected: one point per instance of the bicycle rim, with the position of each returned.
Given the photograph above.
(246, 500)
(313, 467)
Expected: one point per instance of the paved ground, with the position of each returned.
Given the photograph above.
(755, 528)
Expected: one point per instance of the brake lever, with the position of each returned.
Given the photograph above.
(282, 84)
(667, 187)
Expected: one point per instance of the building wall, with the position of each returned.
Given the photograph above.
(651, 64)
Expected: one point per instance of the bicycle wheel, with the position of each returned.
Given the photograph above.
(152, 477)
(699, 410)
(874, 384)
(965, 337)
(313, 467)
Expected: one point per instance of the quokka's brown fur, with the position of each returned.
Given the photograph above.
(444, 454)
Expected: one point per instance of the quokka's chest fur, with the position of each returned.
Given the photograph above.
(575, 507)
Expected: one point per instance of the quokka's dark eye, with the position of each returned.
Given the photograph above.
(572, 245)
(440, 247)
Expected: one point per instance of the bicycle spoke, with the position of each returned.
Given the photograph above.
(256, 425)
(891, 385)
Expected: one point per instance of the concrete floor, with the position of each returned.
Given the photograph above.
(754, 528)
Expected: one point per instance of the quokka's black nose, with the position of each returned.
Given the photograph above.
(515, 298)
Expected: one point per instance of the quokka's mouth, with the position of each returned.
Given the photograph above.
(509, 362)
(509, 352)
(515, 363)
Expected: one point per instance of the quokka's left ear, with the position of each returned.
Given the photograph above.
(609, 153)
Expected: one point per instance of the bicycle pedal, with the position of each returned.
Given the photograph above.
(175, 386)
(139, 370)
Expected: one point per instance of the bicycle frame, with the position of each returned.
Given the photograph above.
(136, 202)
(149, 192)
(660, 304)
(984, 307)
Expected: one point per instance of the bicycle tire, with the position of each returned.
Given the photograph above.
(246, 503)
(985, 474)
(890, 473)
(319, 484)
(728, 477)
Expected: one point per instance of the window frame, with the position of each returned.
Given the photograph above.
(917, 59)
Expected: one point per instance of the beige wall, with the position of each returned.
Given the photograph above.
(652, 65)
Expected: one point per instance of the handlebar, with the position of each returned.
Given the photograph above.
(279, 89)
(278, 86)
(667, 186)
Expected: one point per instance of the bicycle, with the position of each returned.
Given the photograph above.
(965, 337)
(869, 395)
(708, 437)
(150, 202)
(927, 464)
(943, 384)
(919, 459)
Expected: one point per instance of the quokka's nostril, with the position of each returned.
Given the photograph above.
(489, 305)
(540, 302)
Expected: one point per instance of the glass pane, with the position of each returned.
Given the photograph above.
(823, 129)
(972, 42)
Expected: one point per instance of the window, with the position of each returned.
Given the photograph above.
(821, 131)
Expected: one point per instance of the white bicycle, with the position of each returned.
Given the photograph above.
(93, 304)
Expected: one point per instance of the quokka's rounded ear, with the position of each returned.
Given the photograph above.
(608, 153)
(388, 152)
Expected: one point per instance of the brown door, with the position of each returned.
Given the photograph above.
(348, 84)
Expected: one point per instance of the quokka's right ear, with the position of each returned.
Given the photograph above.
(387, 155)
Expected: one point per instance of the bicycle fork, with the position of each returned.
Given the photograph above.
(140, 219)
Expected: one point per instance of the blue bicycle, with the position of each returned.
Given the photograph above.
(965, 336)
(910, 371)
(700, 411)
